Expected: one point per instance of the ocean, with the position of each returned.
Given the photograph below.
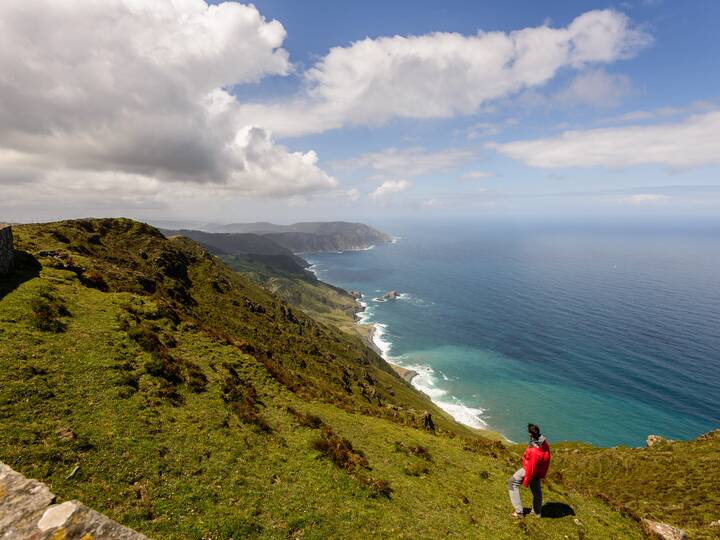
(602, 333)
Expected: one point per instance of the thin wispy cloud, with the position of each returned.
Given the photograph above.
(407, 162)
(693, 142)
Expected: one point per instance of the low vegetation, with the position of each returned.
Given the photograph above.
(192, 403)
(675, 482)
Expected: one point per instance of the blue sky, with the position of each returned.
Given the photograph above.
(676, 71)
(362, 109)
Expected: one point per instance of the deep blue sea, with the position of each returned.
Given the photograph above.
(602, 333)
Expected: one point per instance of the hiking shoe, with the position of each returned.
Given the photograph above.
(533, 514)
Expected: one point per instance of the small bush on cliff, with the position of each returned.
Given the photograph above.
(308, 420)
(47, 311)
(340, 451)
(94, 280)
(243, 400)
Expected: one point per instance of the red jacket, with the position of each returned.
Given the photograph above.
(536, 460)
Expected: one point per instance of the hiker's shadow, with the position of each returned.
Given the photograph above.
(557, 510)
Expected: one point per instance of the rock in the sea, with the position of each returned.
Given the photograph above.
(391, 295)
(357, 295)
(655, 439)
(27, 511)
(663, 531)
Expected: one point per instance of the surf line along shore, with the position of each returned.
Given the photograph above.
(367, 332)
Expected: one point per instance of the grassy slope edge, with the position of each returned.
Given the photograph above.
(193, 402)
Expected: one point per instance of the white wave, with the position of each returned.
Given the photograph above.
(469, 416)
(426, 382)
(364, 315)
(380, 341)
(395, 239)
(414, 300)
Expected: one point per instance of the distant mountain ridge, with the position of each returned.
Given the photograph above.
(313, 236)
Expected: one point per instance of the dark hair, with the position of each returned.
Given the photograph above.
(534, 431)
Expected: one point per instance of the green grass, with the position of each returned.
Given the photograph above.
(673, 482)
(190, 398)
(323, 302)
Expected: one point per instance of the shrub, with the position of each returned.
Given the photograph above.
(419, 451)
(47, 311)
(146, 338)
(164, 367)
(340, 451)
(311, 421)
(94, 280)
(417, 469)
(196, 379)
(242, 398)
(377, 486)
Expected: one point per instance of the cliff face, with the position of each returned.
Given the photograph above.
(6, 248)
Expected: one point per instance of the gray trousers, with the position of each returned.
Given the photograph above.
(514, 484)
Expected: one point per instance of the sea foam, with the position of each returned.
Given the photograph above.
(426, 382)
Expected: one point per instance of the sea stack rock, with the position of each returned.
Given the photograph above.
(391, 295)
(6, 249)
(655, 529)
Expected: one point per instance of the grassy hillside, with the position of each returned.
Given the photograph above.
(263, 249)
(199, 405)
(321, 301)
(674, 482)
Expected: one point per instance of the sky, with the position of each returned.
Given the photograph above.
(286, 111)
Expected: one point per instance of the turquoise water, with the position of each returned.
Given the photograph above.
(600, 334)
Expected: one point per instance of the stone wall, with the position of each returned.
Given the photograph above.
(27, 510)
(6, 248)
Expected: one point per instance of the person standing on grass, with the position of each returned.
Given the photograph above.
(536, 461)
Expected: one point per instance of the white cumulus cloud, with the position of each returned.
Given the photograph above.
(595, 87)
(443, 74)
(128, 97)
(387, 189)
(692, 142)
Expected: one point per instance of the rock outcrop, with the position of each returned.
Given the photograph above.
(6, 249)
(652, 440)
(391, 295)
(663, 531)
(27, 510)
